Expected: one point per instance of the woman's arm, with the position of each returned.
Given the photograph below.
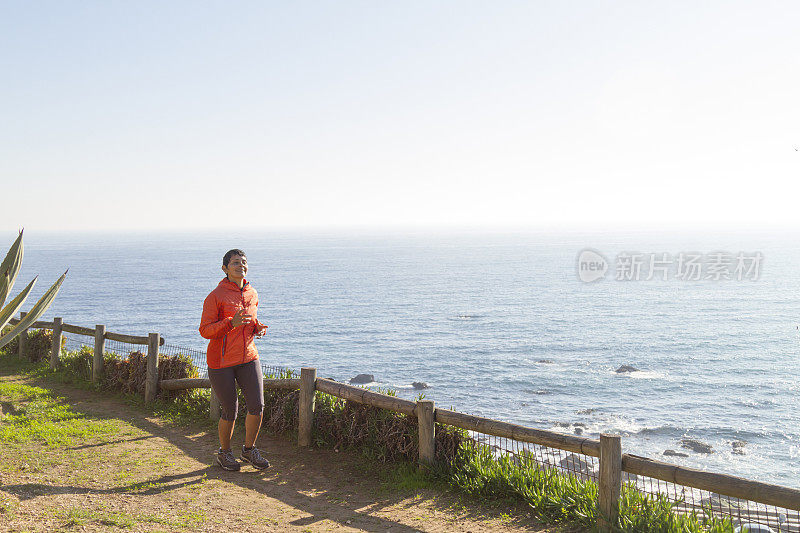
(211, 327)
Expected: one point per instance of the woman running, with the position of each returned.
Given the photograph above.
(230, 323)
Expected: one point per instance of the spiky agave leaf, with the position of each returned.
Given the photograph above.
(10, 267)
(34, 314)
(13, 306)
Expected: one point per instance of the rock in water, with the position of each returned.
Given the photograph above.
(362, 378)
(626, 368)
(738, 447)
(696, 445)
(673, 453)
(419, 385)
(545, 361)
(575, 464)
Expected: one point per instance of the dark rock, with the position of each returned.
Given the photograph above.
(575, 466)
(696, 445)
(574, 463)
(738, 447)
(419, 385)
(545, 361)
(363, 378)
(579, 424)
(673, 453)
(578, 431)
(626, 368)
(584, 411)
(726, 504)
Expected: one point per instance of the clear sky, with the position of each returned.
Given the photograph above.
(189, 115)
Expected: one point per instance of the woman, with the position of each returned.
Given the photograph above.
(230, 323)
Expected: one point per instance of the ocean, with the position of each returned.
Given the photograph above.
(497, 324)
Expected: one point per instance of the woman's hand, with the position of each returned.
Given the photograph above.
(241, 318)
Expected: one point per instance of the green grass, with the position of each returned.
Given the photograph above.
(8, 506)
(83, 517)
(37, 415)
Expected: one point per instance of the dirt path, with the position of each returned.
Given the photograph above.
(133, 472)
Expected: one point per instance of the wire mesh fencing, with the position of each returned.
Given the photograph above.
(123, 349)
(74, 343)
(197, 357)
(273, 371)
(747, 514)
(525, 454)
(744, 515)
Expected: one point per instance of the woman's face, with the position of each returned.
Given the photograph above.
(237, 268)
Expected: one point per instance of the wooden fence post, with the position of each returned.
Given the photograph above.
(427, 432)
(610, 481)
(22, 340)
(214, 408)
(99, 350)
(55, 349)
(151, 383)
(308, 379)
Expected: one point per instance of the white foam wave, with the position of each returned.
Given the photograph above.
(642, 374)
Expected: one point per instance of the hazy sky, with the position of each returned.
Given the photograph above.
(182, 115)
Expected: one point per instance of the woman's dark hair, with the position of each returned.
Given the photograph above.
(231, 253)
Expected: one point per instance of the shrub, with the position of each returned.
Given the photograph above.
(340, 424)
(77, 364)
(38, 344)
(128, 375)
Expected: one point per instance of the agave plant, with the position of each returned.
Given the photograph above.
(8, 273)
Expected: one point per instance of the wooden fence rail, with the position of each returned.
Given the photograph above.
(607, 449)
(152, 341)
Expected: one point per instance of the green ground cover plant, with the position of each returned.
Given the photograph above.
(564, 498)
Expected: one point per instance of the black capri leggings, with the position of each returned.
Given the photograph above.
(250, 380)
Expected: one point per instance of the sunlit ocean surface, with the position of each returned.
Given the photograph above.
(497, 324)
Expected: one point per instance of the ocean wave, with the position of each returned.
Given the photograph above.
(665, 430)
(647, 374)
(756, 403)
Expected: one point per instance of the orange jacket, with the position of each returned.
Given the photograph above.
(229, 346)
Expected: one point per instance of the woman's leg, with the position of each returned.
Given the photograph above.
(223, 383)
(251, 381)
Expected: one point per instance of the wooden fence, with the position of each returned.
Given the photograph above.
(152, 341)
(608, 448)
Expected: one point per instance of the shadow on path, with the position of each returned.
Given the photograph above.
(321, 483)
